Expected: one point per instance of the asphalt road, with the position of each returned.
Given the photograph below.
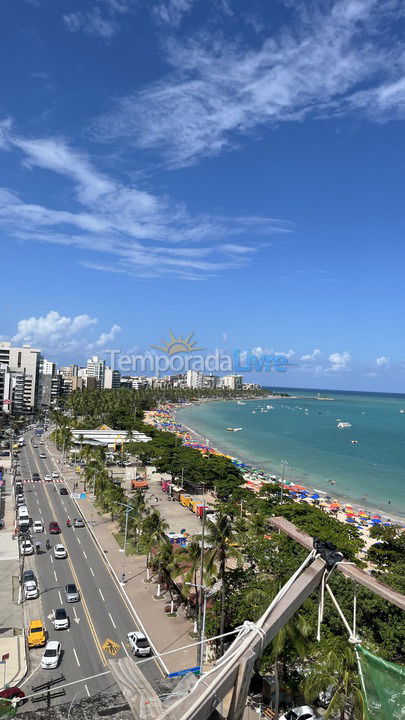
(99, 616)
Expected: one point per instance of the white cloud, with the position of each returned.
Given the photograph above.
(62, 334)
(106, 337)
(382, 361)
(339, 362)
(52, 329)
(219, 90)
(91, 22)
(311, 356)
(142, 234)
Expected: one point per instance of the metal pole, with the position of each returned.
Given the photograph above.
(202, 646)
(125, 546)
(201, 575)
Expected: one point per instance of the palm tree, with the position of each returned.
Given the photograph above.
(336, 672)
(294, 633)
(220, 537)
(192, 557)
(154, 527)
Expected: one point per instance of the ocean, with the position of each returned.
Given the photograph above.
(302, 435)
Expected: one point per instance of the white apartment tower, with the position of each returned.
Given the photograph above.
(96, 368)
(19, 369)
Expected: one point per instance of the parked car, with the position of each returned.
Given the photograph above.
(139, 644)
(71, 593)
(28, 575)
(55, 474)
(27, 547)
(31, 591)
(36, 477)
(50, 658)
(60, 619)
(63, 491)
(304, 712)
(54, 528)
(38, 526)
(36, 634)
(13, 693)
(59, 551)
(78, 522)
(42, 456)
(48, 478)
(34, 445)
(20, 500)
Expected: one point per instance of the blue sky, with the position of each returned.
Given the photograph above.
(222, 166)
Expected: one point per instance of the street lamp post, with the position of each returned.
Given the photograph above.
(284, 463)
(207, 592)
(128, 509)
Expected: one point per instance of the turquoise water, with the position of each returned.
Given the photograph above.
(303, 433)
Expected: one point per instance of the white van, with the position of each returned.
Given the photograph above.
(23, 517)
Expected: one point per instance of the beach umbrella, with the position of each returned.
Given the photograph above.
(304, 494)
(315, 496)
(350, 520)
(375, 521)
(387, 524)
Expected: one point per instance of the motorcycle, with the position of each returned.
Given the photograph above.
(68, 523)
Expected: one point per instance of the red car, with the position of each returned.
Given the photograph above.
(12, 693)
(54, 528)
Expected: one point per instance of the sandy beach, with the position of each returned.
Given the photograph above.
(341, 508)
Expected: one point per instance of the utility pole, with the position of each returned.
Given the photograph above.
(128, 509)
(201, 577)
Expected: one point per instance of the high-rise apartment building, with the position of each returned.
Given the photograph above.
(232, 382)
(96, 369)
(112, 379)
(20, 375)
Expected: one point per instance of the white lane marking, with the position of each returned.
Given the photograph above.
(103, 599)
(56, 579)
(91, 570)
(77, 659)
(20, 684)
(51, 558)
(78, 540)
(125, 649)
(87, 691)
(84, 554)
(112, 621)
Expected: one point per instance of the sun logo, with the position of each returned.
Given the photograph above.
(178, 345)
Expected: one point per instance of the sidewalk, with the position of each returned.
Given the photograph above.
(12, 632)
(165, 633)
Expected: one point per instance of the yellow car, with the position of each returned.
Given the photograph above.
(36, 634)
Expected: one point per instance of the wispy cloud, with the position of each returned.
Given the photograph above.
(171, 12)
(139, 233)
(335, 59)
(101, 20)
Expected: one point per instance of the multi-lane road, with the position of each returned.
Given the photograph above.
(102, 614)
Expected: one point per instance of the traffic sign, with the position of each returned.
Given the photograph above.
(111, 647)
(195, 670)
(83, 496)
(75, 496)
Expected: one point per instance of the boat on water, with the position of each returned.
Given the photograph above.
(402, 411)
(270, 407)
(233, 429)
(253, 412)
(354, 442)
(239, 402)
(344, 424)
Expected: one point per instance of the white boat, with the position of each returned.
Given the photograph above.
(233, 429)
(344, 424)
(270, 407)
(354, 442)
(239, 402)
(402, 411)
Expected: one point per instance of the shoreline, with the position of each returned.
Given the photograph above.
(253, 475)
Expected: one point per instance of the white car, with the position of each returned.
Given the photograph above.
(27, 547)
(38, 526)
(55, 474)
(51, 656)
(139, 644)
(304, 712)
(59, 551)
(60, 619)
(31, 591)
(48, 478)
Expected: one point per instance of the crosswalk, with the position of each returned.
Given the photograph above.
(27, 481)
